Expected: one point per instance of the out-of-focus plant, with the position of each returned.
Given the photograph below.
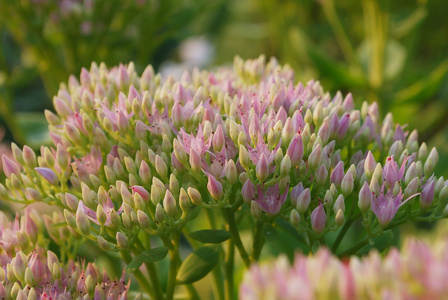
(139, 162)
(58, 38)
(376, 49)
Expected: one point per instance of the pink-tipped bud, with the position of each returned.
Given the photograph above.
(214, 187)
(195, 161)
(82, 222)
(179, 152)
(248, 192)
(10, 166)
(262, 168)
(195, 196)
(184, 201)
(318, 219)
(31, 229)
(37, 267)
(411, 188)
(19, 265)
(295, 149)
(177, 115)
(338, 174)
(72, 133)
(101, 214)
(343, 125)
(161, 167)
(48, 174)
(244, 157)
(427, 196)
(218, 139)
(295, 193)
(141, 191)
(29, 157)
(145, 173)
(369, 165)
(339, 204)
(303, 201)
(365, 197)
(321, 175)
(347, 184)
(231, 172)
(169, 204)
(143, 219)
(126, 195)
(324, 131)
(314, 160)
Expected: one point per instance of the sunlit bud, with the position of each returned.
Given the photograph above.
(10, 166)
(369, 165)
(440, 183)
(339, 219)
(143, 219)
(122, 240)
(244, 157)
(52, 118)
(29, 279)
(169, 204)
(159, 216)
(347, 184)
(321, 175)
(294, 218)
(218, 139)
(174, 185)
(241, 138)
(19, 266)
(157, 190)
(32, 295)
(287, 132)
(423, 152)
(262, 168)
(17, 153)
(82, 222)
(214, 187)
(328, 198)
(15, 182)
(303, 201)
(324, 131)
(139, 203)
(177, 115)
(110, 175)
(179, 152)
(115, 218)
(255, 209)
(431, 162)
(101, 214)
(10, 273)
(295, 149)
(378, 173)
(314, 160)
(61, 107)
(145, 173)
(118, 167)
(31, 229)
(69, 218)
(72, 133)
(365, 197)
(427, 195)
(15, 290)
(285, 166)
(318, 114)
(195, 161)
(48, 157)
(396, 149)
(352, 169)
(29, 157)
(231, 172)
(318, 219)
(184, 201)
(103, 244)
(195, 196)
(339, 204)
(443, 195)
(412, 188)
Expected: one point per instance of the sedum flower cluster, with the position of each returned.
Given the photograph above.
(138, 158)
(417, 272)
(29, 272)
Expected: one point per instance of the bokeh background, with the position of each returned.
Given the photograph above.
(392, 52)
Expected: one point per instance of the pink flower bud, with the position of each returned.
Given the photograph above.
(215, 188)
(343, 125)
(314, 160)
(348, 102)
(169, 204)
(318, 219)
(141, 191)
(338, 174)
(427, 196)
(303, 201)
(31, 229)
(48, 174)
(347, 184)
(339, 204)
(143, 219)
(218, 139)
(262, 168)
(195, 161)
(295, 149)
(122, 240)
(82, 221)
(179, 152)
(324, 131)
(177, 115)
(72, 133)
(321, 175)
(231, 172)
(195, 196)
(61, 107)
(37, 267)
(295, 193)
(369, 165)
(411, 188)
(365, 197)
(248, 192)
(145, 173)
(431, 162)
(10, 166)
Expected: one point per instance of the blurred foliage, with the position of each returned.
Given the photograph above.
(43, 42)
(392, 52)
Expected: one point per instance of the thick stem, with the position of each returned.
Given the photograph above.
(152, 272)
(141, 279)
(341, 235)
(355, 247)
(174, 253)
(258, 241)
(236, 236)
(229, 270)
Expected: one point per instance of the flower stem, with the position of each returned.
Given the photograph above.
(152, 272)
(173, 268)
(258, 241)
(142, 281)
(236, 236)
(229, 270)
(355, 247)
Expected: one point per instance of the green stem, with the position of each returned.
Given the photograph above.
(341, 234)
(355, 247)
(229, 270)
(152, 272)
(258, 241)
(173, 268)
(236, 236)
(142, 281)
(192, 293)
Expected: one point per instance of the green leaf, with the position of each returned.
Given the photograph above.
(35, 128)
(198, 264)
(148, 256)
(194, 213)
(269, 233)
(380, 243)
(210, 236)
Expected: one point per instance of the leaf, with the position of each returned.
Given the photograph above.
(380, 243)
(194, 213)
(148, 256)
(35, 128)
(198, 264)
(269, 233)
(210, 236)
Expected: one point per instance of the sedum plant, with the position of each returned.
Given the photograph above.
(150, 167)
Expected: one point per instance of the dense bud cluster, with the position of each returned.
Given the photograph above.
(28, 272)
(138, 156)
(417, 272)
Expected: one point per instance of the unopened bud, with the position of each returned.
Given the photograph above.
(122, 240)
(427, 195)
(294, 218)
(431, 162)
(159, 216)
(157, 190)
(303, 201)
(314, 159)
(339, 219)
(365, 197)
(339, 204)
(321, 175)
(244, 157)
(411, 188)
(179, 152)
(262, 168)
(215, 188)
(161, 167)
(255, 209)
(347, 184)
(318, 219)
(231, 172)
(169, 204)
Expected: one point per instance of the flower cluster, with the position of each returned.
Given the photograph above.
(419, 271)
(139, 157)
(29, 272)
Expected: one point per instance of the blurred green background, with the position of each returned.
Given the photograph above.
(392, 52)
